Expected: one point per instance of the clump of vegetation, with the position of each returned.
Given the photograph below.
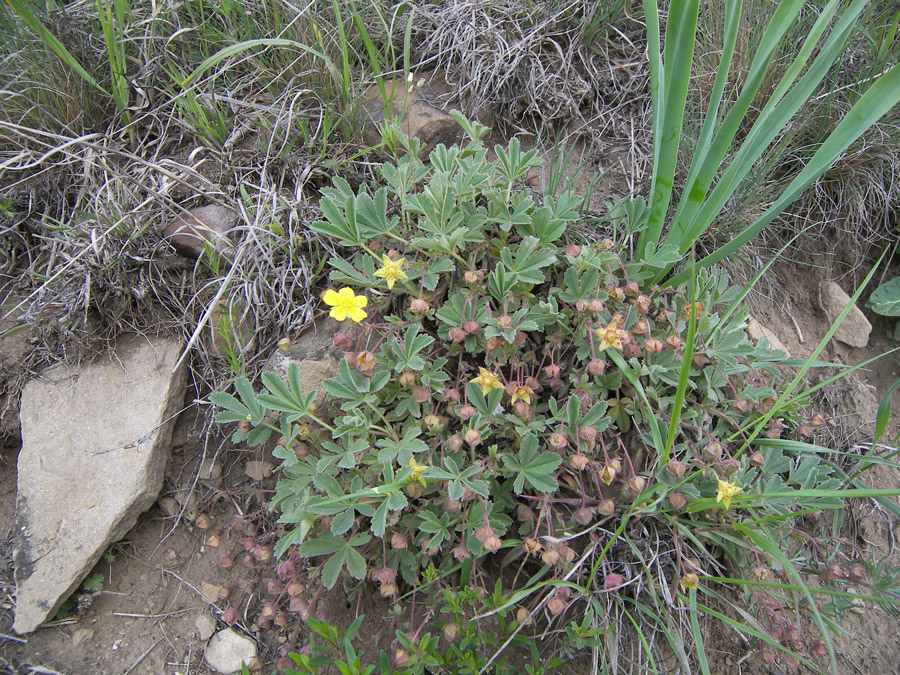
(515, 393)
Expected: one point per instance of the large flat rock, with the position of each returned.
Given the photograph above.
(94, 446)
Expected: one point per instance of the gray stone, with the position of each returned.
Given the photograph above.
(855, 328)
(258, 470)
(417, 108)
(314, 353)
(227, 650)
(205, 224)
(755, 331)
(206, 626)
(94, 445)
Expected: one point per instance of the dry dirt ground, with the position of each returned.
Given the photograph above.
(164, 576)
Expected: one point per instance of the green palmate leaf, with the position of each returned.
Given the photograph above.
(536, 468)
(287, 398)
(885, 299)
(401, 450)
(529, 260)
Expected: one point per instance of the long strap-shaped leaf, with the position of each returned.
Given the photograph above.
(774, 116)
(883, 95)
(707, 157)
(674, 74)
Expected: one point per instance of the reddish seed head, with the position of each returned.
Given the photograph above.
(596, 367)
(556, 606)
(606, 507)
(578, 461)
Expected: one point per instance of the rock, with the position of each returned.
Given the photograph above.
(419, 112)
(755, 331)
(213, 592)
(855, 328)
(81, 635)
(169, 506)
(210, 470)
(206, 224)
(227, 650)
(257, 470)
(314, 353)
(94, 444)
(206, 626)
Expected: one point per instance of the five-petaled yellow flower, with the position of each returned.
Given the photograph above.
(345, 303)
(726, 492)
(522, 393)
(391, 271)
(611, 336)
(487, 381)
(415, 474)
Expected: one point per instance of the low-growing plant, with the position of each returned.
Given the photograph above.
(515, 391)
(576, 407)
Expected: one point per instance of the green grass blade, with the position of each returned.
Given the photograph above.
(239, 47)
(681, 30)
(698, 634)
(773, 550)
(703, 173)
(684, 373)
(57, 47)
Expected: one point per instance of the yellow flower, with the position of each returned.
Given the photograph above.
(391, 271)
(611, 336)
(415, 474)
(345, 303)
(487, 381)
(726, 492)
(689, 580)
(521, 393)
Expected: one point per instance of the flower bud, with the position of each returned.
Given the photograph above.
(556, 606)
(531, 545)
(519, 338)
(457, 334)
(284, 344)
(550, 557)
(637, 483)
(578, 461)
(524, 513)
(857, 573)
(558, 441)
(244, 426)
(522, 616)
(596, 306)
(654, 345)
(401, 658)
(471, 327)
(612, 581)
(454, 443)
(473, 437)
(419, 306)
(461, 553)
(365, 363)
(342, 341)
(765, 657)
(632, 290)
(596, 367)
(583, 516)
(588, 434)
(230, 616)
(451, 632)
(505, 322)
(674, 341)
(421, 395)
(640, 327)
(573, 250)
(407, 378)
(642, 304)
(606, 507)
(398, 541)
(473, 277)
(552, 371)
(492, 543)
(817, 421)
(466, 412)
(675, 468)
(677, 500)
(714, 450)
